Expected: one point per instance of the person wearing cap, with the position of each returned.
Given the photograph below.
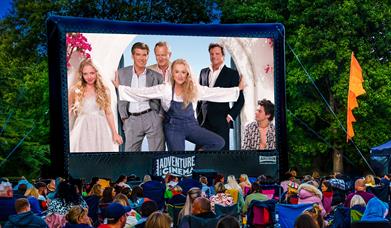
(115, 214)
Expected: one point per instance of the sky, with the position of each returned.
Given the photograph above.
(193, 49)
(5, 6)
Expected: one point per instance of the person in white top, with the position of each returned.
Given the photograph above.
(177, 100)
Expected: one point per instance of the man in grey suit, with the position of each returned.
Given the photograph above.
(143, 118)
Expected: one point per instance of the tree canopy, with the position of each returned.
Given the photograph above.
(323, 34)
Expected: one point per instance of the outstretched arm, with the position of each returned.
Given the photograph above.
(130, 94)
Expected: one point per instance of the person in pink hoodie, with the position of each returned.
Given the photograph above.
(311, 194)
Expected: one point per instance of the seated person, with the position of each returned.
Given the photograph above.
(146, 210)
(202, 215)
(154, 190)
(360, 188)
(255, 195)
(221, 197)
(7, 200)
(206, 190)
(202, 208)
(24, 217)
(177, 196)
(115, 214)
(261, 134)
(77, 217)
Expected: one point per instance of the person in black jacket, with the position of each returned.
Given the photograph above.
(218, 117)
(24, 217)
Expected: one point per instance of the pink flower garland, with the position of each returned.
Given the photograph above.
(77, 42)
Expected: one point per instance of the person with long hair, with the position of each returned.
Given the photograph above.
(89, 102)
(245, 183)
(158, 219)
(65, 198)
(177, 100)
(192, 194)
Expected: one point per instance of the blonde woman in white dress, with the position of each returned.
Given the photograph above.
(89, 102)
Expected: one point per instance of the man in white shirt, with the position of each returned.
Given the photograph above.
(163, 65)
(142, 118)
(218, 117)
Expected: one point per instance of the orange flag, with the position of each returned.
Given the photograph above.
(355, 89)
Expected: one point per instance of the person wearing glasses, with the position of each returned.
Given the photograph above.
(261, 134)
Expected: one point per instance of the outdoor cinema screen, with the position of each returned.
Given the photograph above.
(121, 92)
(97, 114)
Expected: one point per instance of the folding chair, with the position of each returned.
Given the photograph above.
(173, 211)
(287, 213)
(227, 210)
(261, 214)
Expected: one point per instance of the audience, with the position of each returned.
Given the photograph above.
(255, 195)
(146, 210)
(221, 198)
(192, 194)
(24, 217)
(305, 221)
(77, 217)
(68, 209)
(245, 183)
(121, 182)
(327, 191)
(158, 220)
(65, 198)
(360, 188)
(202, 208)
(115, 215)
(137, 198)
(357, 208)
(309, 193)
(206, 191)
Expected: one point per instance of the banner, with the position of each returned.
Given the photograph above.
(175, 165)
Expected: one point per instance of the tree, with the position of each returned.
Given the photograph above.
(323, 34)
(24, 89)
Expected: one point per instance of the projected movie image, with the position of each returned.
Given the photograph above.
(131, 93)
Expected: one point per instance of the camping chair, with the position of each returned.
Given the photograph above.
(227, 210)
(173, 211)
(287, 213)
(269, 193)
(370, 224)
(191, 221)
(274, 189)
(261, 213)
